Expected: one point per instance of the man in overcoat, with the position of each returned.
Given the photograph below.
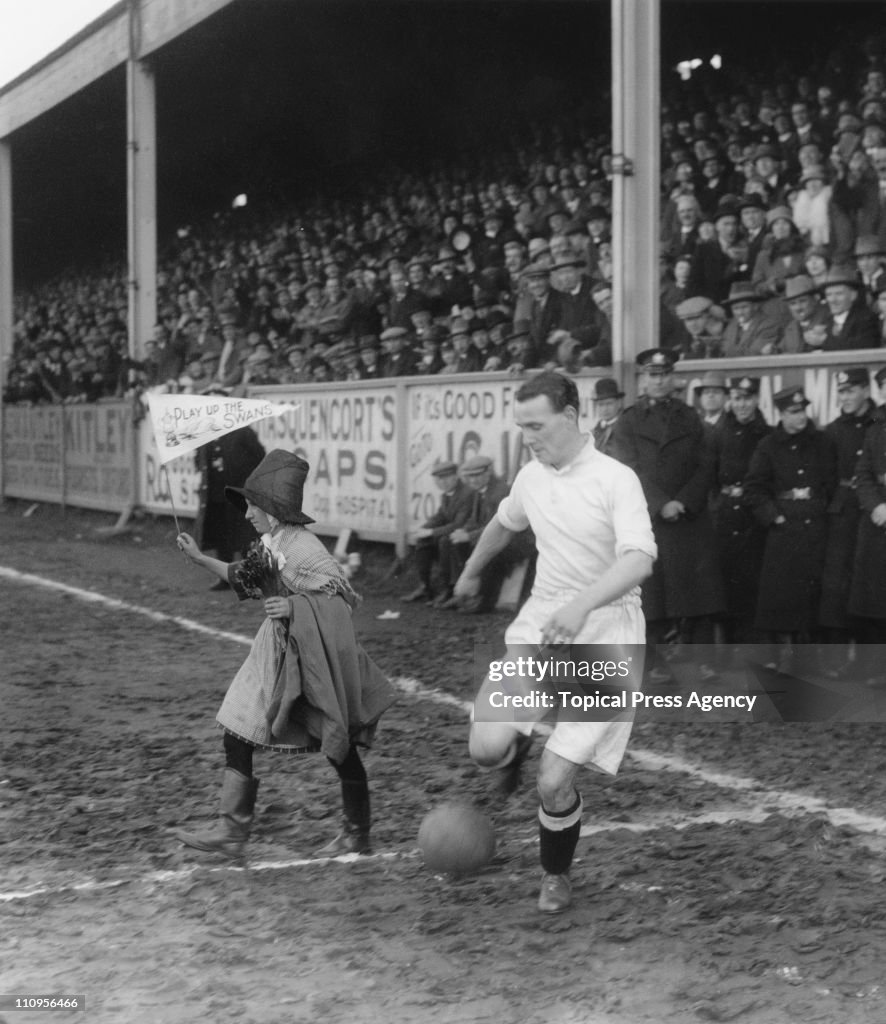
(740, 538)
(867, 593)
(663, 441)
(857, 414)
(791, 481)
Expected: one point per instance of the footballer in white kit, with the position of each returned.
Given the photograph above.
(595, 547)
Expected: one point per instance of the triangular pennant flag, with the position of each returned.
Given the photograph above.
(185, 422)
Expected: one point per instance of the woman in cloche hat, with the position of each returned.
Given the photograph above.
(306, 684)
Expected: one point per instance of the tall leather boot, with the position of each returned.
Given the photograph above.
(229, 834)
(356, 821)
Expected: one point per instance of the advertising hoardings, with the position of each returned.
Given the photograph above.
(33, 466)
(371, 445)
(99, 456)
(349, 436)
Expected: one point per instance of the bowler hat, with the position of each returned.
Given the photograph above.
(799, 285)
(568, 261)
(727, 207)
(787, 397)
(536, 269)
(749, 385)
(853, 376)
(751, 199)
(843, 274)
(606, 387)
(742, 291)
(276, 486)
(711, 379)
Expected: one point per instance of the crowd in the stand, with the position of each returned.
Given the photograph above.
(773, 240)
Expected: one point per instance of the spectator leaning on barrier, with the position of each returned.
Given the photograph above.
(853, 324)
(750, 332)
(810, 318)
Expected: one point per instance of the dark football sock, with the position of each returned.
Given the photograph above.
(558, 834)
(354, 789)
(238, 754)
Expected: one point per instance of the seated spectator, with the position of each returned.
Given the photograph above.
(467, 357)
(675, 281)
(752, 212)
(428, 359)
(870, 253)
(697, 343)
(811, 208)
(521, 354)
(853, 324)
(368, 347)
(880, 310)
(810, 319)
(750, 333)
(722, 259)
(399, 360)
(817, 263)
(432, 540)
(488, 356)
(295, 370)
(488, 492)
(780, 258)
(258, 369)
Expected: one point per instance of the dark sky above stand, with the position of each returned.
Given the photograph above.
(302, 92)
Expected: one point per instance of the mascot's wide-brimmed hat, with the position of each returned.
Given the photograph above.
(276, 486)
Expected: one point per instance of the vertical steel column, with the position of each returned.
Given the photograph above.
(141, 175)
(6, 314)
(635, 192)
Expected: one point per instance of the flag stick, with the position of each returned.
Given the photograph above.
(178, 528)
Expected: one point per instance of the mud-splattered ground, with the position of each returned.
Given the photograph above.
(697, 899)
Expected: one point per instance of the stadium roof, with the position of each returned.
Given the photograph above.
(97, 49)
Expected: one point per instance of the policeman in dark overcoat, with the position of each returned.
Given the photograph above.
(791, 481)
(740, 537)
(857, 414)
(867, 593)
(663, 441)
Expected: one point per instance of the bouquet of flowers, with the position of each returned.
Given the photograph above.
(259, 572)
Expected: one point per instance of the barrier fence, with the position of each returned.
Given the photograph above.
(371, 445)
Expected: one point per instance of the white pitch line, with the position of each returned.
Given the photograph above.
(788, 801)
